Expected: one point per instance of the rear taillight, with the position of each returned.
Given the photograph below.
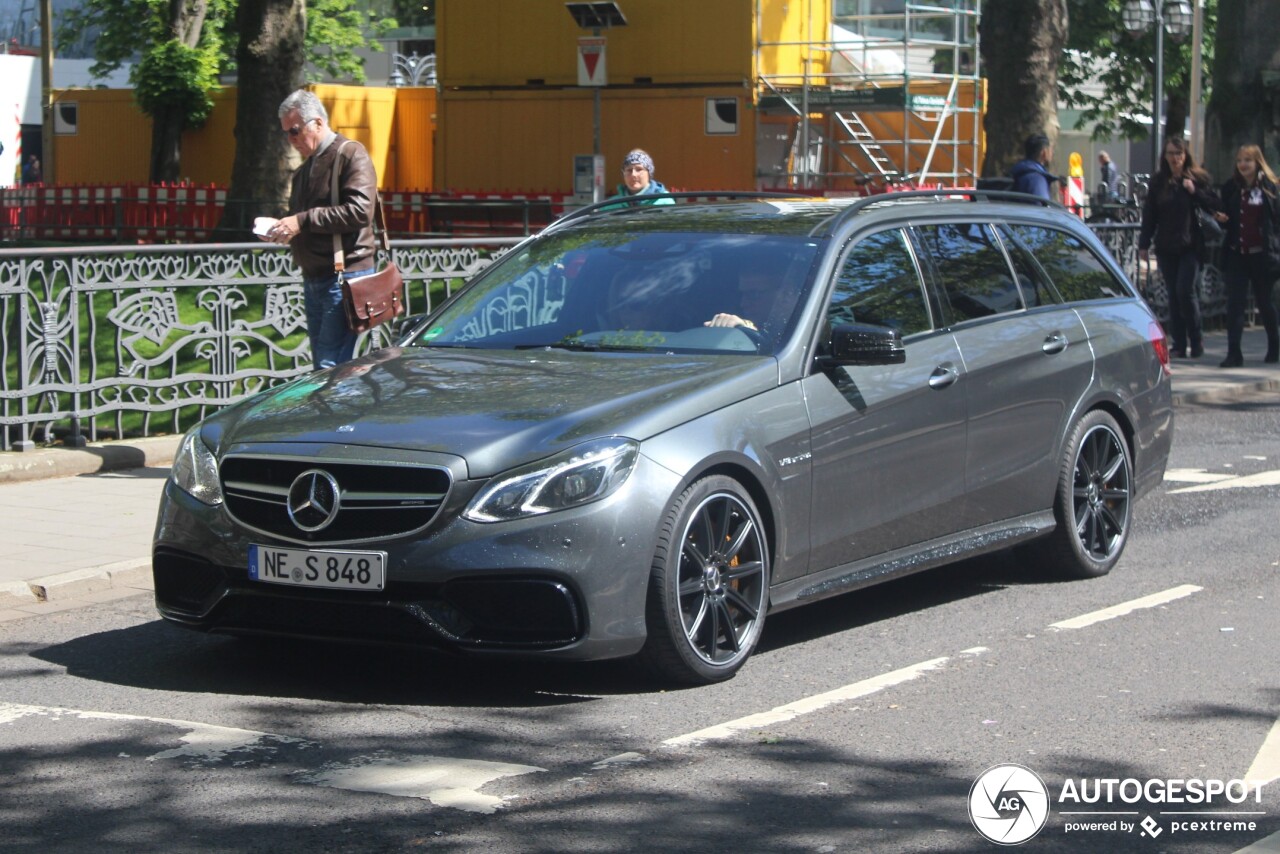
(1159, 343)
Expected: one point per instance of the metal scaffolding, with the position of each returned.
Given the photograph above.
(882, 99)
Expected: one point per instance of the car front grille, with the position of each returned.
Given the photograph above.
(376, 500)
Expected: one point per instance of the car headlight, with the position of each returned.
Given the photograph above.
(585, 473)
(195, 471)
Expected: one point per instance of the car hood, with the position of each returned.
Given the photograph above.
(495, 409)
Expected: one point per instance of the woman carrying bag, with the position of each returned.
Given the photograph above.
(1170, 226)
(1251, 249)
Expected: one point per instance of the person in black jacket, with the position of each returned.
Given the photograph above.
(1169, 223)
(1251, 249)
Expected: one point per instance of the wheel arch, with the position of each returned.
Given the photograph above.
(752, 483)
(1117, 412)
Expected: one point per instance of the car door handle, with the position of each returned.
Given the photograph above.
(1056, 342)
(943, 375)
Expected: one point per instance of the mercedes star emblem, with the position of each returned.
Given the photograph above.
(314, 500)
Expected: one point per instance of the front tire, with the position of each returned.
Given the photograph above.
(709, 585)
(1093, 504)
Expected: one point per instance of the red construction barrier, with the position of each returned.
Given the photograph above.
(184, 213)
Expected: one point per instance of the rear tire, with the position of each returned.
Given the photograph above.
(1093, 504)
(709, 585)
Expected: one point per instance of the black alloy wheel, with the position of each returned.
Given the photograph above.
(709, 585)
(1094, 500)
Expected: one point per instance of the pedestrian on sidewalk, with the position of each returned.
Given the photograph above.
(1251, 249)
(314, 220)
(1029, 174)
(1169, 224)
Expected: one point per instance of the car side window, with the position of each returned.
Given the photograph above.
(879, 284)
(1036, 290)
(972, 269)
(1075, 271)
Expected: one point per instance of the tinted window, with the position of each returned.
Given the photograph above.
(1075, 271)
(1035, 288)
(658, 291)
(975, 277)
(878, 284)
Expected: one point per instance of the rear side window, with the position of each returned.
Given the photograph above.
(1036, 290)
(1075, 271)
(974, 275)
(878, 284)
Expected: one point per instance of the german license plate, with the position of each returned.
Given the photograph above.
(344, 570)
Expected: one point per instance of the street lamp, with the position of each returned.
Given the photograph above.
(1139, 17)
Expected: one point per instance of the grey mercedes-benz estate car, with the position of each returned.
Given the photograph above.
(643, 430)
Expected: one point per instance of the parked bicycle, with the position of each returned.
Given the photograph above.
(1125, 205)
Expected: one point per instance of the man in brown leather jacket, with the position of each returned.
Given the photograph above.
(315, 219)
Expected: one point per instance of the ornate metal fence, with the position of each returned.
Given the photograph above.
(103, 342)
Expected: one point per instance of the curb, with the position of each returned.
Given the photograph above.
(19, 466)
(76, 583)
(1224, 394)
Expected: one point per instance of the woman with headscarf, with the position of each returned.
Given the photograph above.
(638, 180)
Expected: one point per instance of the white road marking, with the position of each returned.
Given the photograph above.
(1127, 607)
(628, 758)
(206, 742)
(443, 781)
(1248, 481)
(809, 704)
(1195, 476)
(1266, 765)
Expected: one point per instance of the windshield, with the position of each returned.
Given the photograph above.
(669, 292)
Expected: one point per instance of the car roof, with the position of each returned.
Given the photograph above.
(784, 214)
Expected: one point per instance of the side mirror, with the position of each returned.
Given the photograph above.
(862, 344)
(401, 327)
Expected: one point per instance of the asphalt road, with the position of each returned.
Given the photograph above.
(862, 724)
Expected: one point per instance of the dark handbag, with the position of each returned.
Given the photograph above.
(372, 300)
(1211, 230)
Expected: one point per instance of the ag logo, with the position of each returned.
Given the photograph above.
(1008, 804)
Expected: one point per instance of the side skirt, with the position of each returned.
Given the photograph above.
(864, 573)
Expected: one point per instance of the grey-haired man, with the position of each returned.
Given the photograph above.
(314, 219)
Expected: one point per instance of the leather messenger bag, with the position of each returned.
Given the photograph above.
(371, 300)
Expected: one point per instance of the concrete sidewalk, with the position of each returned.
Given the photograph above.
(77, 523)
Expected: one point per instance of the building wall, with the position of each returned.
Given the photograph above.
(512, 115)
(524, 141)
(411, 164)
(112, 139)
(503, 43)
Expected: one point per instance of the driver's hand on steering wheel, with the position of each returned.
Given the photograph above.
(730, 320)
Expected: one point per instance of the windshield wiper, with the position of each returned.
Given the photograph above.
(584, 346)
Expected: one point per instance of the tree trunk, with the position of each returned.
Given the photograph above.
(166, 145)
(1244, 108)
(1021, 43)
(269, 61)
(186, 23)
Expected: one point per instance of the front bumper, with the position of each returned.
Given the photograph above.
(570, 584)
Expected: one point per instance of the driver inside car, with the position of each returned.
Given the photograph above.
(759, 287)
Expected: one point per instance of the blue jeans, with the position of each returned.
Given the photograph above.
(331, 341)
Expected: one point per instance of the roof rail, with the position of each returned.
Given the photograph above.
(969, 193)
(620, 202)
